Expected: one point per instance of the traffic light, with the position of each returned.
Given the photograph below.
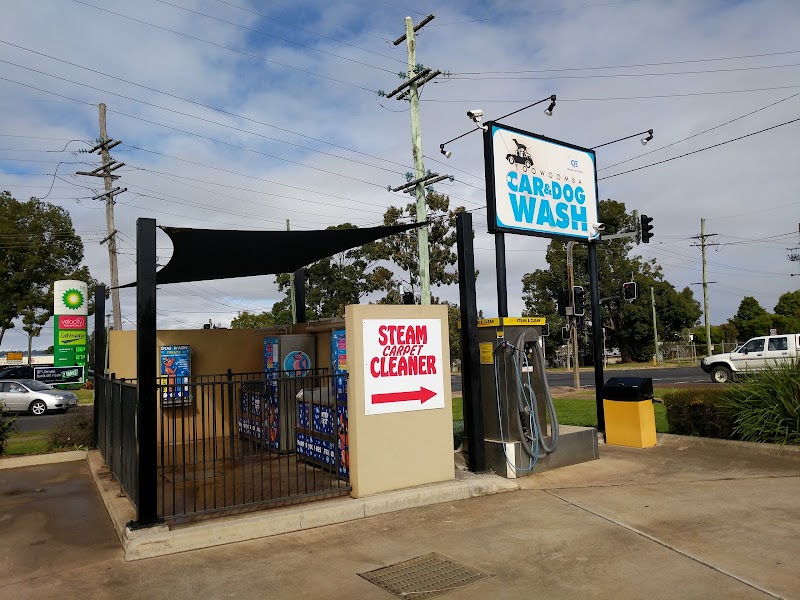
(565, 333)
(646, 228)
(630, 291)
(562, 302)
(580, 300)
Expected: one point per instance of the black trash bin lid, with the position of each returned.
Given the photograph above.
(628, 388)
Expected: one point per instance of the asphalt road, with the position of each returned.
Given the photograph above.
(662, 377)
(46, 422)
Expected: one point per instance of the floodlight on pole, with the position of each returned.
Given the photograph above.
(477, 115)
(649, 137)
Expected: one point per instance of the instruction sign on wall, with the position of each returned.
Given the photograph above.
(403, 365)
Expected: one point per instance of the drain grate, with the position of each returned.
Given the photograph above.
(424, 576)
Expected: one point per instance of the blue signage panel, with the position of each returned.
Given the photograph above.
(175, 372)
(539, 186)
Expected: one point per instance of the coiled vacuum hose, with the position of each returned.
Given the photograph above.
(542, 391)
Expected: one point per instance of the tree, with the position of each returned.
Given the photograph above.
(787, 312)
(751, 319)
(334, 282)
(281, 314)
(402, 250)
(629, 326)
(248, 320)
(39, 246)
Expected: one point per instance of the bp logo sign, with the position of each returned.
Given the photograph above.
(73, 299)
(70, 308)
(70, 297)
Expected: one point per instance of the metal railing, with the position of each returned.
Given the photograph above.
(234, 442)
(116, 432)
(231, 442)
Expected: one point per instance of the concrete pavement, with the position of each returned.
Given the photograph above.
(686, 519)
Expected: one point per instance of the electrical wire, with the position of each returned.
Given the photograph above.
(540, 12)
(616, 98)
(270, 35)
(243, 53)
(220, 169)
(701, 132)
(616, 75)
(736, 139)
(634, 65)
(194, 102)
(293, 26)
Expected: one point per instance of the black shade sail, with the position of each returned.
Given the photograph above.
(208, 254)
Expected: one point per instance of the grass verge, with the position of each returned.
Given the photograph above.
(85, 396)
(576, 410)
(19, 445)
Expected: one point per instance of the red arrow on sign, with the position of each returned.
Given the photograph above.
(423, 395)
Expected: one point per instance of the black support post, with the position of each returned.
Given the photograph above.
(470, 357)
(146, 376)
(597, 335)
(99, 365)
(500, 267)
(300, 295)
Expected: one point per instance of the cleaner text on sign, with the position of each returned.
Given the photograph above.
(403, 365)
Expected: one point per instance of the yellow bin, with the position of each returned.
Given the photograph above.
(629, 414)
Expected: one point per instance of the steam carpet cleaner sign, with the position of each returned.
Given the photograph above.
(403, 365)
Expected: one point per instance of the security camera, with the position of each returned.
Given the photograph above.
(476, 114)
(599, 226)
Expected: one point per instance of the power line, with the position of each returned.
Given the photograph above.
(702, 132)
(455, 77)
(220, 169)
(543, 12)
(736, 139)
(270, 35)
(293, 26)
(616, 98)
(190, 101)
(215, 193)
(632, 66)
(249, 55)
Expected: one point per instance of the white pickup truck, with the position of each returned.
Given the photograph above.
(753, 355)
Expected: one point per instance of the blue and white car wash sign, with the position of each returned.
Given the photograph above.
(539, 186)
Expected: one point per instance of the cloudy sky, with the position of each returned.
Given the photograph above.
(238, 114)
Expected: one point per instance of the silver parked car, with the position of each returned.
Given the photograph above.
(28, 395)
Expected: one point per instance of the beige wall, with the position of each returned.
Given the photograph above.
(397, 450)
(214, 351)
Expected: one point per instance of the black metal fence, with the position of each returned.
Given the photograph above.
(232, 442)
(116, 431)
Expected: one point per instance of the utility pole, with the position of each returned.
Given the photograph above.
(103, 145)
(573, 326)
(416, 78)
(419, 167)
(702, 237)
(655, 329)
(291, 285)
(794, 254)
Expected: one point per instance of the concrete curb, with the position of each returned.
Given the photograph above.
(14, 462)
(757, 447)
(162, 540)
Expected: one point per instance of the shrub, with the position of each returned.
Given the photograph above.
(765, 407)
(75, 430)
(6, 429)
(458, 433)
(698, 412)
